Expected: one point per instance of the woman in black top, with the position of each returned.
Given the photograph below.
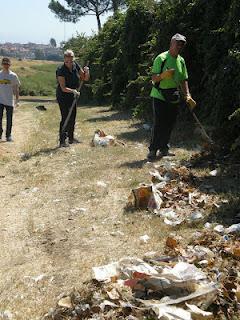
(69, 76)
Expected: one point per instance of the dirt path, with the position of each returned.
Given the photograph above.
(62, 211)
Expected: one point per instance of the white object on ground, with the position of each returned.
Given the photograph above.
(144, 238)
(234, 228)
(219, 228)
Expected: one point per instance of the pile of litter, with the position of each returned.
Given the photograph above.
(198, 281)
(101, 139)
(173, 195)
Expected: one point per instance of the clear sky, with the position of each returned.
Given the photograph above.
(31, 21)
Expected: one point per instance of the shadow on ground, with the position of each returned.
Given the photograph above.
(116, 116)
(134, 164)
(44, 151)
(225, 184)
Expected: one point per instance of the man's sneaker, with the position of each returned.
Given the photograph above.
(9, 139)
(74, 140)
(63, 144)
(152, 155)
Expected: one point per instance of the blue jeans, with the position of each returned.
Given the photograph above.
(9, 112)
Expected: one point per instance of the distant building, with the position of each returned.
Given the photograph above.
(30, 51)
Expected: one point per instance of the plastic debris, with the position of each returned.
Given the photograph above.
(145, 197)
(219, 228)
(65, 302)
(144, 238)
(195, 216)
(213, 173)
(6, 315)
(234, 228)
(171, 217)
(181, 284)
(101, 139)
(41, 108)
(101, 184)
(198, 313)
(172, 189)
(105, 273)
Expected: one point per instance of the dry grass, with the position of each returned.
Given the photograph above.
(44, 231)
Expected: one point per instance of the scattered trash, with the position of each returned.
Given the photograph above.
(6, 315)
(213, 173)
(234, 228)
(172, 195)
(75, 210)
(41, 108)
(65, 302)
(144, 238)
(36, 278)
(219, 228)
(208, 225)
(194, 281)
(101, 184)
(57, 200)
(105, 273)
(117, 233)
(145, 197)
(101, 139)
(195, 216)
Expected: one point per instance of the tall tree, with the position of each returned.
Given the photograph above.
(117, 4)
(75, 9)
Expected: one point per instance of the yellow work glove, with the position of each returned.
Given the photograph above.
(168, 74)
(190, 102)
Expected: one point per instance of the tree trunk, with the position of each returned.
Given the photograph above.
(98, 21)
(115, 6)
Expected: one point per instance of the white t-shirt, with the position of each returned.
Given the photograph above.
(8, 81)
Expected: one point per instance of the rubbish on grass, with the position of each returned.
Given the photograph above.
(171, 242)
(198, 313)
(171, 312)
(101, 139)
(170, 217)
(65, 302)
(6, 315)
(101, 184)
(234, 228)
(219, 228)
(41, 108)
(36, 278)
(144, 238)
(208, 225)
(213, 173)
(156, 176)
(105, 272)
(180, 284)
(145, 197)
(195, 216)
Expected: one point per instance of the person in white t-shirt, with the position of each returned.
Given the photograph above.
(9, 87)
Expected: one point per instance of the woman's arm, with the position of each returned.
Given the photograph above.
(62, 84)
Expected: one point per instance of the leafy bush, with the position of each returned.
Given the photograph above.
(121, 55)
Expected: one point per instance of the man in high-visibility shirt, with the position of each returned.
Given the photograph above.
(169, 74)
